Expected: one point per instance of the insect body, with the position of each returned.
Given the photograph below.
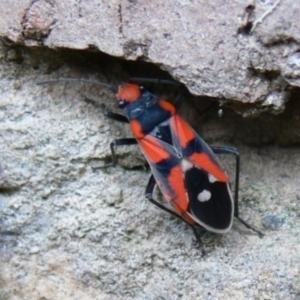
(185, 168)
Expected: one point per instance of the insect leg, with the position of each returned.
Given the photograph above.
(113, 144)
(118, 142)
(149, 195)
(260, 234)
(234, 151)
(115, 117)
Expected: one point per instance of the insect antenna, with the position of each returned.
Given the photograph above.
(82, 80)
(155, 80)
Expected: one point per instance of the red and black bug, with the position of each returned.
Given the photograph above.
(186, 170)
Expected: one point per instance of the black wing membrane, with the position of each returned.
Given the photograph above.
(210, 203)
(207, 200)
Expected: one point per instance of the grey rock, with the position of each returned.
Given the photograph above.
(239, 51)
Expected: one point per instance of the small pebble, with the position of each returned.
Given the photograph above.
(34, 250)
(272, 222)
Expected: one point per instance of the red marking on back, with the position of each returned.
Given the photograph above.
(177, 196)
(136, 129)
(176, 181)
(183, 213)
(203, 160)
(128, 92)
(177, 207)
(153, 150)
(188, 218)
(184, 132)
(167, 106)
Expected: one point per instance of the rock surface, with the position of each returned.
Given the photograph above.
(68, 232)
(245, 51)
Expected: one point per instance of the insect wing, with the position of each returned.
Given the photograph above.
(165, 166)
(189, 174)
(206, 182)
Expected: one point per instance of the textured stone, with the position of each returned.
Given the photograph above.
(238, 50)
(68, 231)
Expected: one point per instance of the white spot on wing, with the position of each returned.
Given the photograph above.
(186, 165)
(204, 196)
(212, 178)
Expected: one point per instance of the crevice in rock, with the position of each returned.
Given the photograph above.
(120, 20)
(102, 67)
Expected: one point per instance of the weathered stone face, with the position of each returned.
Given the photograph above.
(70, 232)
(240, 51)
